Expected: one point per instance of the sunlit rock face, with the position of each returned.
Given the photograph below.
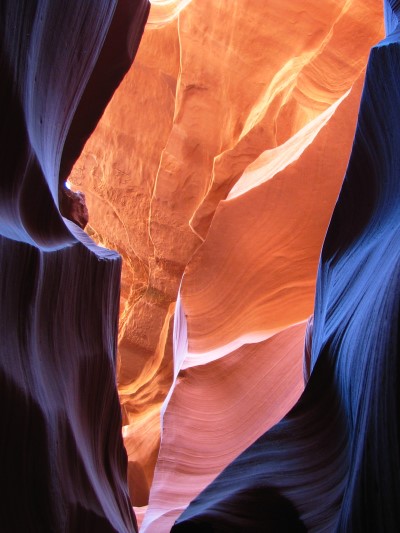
(63, 464)
(216, 167)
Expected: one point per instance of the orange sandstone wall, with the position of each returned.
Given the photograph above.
(219, 159)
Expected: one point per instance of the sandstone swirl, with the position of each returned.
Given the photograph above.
(63, 464)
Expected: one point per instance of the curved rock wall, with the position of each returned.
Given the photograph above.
(63, 464)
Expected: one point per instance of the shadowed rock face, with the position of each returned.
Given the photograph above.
(63, 464)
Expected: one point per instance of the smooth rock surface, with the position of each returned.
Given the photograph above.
(63, 463)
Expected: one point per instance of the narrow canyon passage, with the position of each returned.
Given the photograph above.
(209, 140)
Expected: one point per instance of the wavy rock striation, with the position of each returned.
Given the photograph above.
(332, 464)
(63, 464)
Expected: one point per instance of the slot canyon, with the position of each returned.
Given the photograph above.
(200, 266)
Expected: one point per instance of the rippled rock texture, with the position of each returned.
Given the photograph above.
(63, 464)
